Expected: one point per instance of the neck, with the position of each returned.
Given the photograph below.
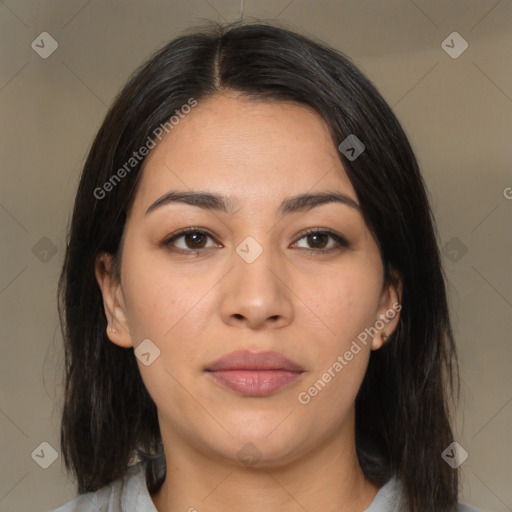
(328, 479)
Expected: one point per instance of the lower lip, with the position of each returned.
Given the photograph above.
(255, 382)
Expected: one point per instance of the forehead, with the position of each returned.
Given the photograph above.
(251, 150)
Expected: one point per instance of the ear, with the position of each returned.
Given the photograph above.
(113, 300)
(388, 313)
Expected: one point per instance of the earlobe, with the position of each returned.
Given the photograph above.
(113, 301)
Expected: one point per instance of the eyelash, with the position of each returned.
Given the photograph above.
(340, 240)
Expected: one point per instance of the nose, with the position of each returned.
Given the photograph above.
(257, 293)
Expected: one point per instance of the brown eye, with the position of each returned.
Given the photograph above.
(317, 241)
(188, 240)
(195, 240)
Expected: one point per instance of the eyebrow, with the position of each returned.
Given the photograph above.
(216, 202)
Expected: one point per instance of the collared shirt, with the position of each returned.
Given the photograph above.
(130, 494)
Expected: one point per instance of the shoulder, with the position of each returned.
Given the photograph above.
(130, 489)
(468, 508)
(389, 499)
(92, 501)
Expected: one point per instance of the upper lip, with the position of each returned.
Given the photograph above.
(250, 360)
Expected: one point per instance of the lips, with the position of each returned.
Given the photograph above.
(247, 360)
(254, 373)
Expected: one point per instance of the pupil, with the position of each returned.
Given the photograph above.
(316, 236)
(195, 241)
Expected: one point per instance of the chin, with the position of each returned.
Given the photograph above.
(261, 446)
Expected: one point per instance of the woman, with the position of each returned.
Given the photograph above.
(252, 222)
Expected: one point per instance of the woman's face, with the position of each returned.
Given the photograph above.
(251, 277)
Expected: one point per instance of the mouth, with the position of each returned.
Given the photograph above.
(254, 374)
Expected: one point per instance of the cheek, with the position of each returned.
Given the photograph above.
(344, 300)
(170, 309)
(163, 300)
(348, 304)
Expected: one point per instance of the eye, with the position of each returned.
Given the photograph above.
(194, 240)
(319, 240)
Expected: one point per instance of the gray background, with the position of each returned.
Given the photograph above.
(456, 111)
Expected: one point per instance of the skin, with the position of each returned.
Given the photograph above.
(197, 307)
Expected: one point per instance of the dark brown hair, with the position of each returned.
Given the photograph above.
(402, 413)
